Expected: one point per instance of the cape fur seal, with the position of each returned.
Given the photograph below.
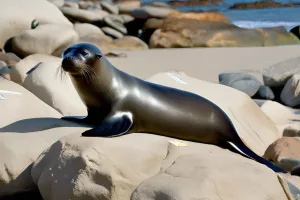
(118, 103)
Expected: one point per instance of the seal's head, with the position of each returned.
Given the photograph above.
(79, 58)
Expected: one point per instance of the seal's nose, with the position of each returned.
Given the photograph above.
(67, 63)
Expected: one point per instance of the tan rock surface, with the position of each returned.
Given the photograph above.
(12, 24)
(18, 73)
(55, 90)
(44, 40)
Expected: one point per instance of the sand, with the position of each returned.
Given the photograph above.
(204, 63)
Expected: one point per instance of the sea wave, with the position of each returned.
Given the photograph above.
(264, 24)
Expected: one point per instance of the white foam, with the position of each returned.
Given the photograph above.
(265, 24)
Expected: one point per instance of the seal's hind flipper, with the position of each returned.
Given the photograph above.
(245, 151)
(113, 126)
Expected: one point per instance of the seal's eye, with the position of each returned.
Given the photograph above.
(84, 53)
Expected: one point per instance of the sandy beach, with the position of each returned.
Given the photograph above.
(204, 63)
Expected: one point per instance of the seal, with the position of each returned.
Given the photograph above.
(119, 103)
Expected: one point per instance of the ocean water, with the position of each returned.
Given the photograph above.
(253, 18)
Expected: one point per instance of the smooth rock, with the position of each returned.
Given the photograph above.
(84, 16)
(100, 40)
(18, 72)
(84, 29)
(126, 7)
(278, 74)
(71, 4)
(212, 31)
(281, 115)
(128, 43)
(290, 94)
(109, 7)
(112, 32)
(292, 130)
(43, 40)
(264, 92)
(12, 24)
(85, 5)
(241, 81)
(19, 131)
(115, 22)
(10, 59)
(285, 152)
(200, 176)
(55, 88)
(4, 70)
(146, 12)
(126, 18)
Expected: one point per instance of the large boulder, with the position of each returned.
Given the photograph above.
(150, 166)
(49, 83)
(278, 74)
(84, 29)
(26, 130)
(18, 73)
(241, 81)
(44, 40)
(12, 24)
(193, 32)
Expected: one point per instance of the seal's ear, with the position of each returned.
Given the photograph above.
(98, 56)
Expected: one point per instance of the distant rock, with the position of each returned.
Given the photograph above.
(110, 7)
(112, 32)
(292, 130)
(264, 92)
(290, 94)
(83, 29)
(278, 74)
(85, 16)
(263, 4)
(284, 152)
(116, 22)
(71, 4)
(44, 40)
(146, 12)
(127, 6)
(194, 2)
(128, 43)
(241, 81)
(102, 41)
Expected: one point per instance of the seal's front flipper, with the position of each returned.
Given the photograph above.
(76, 119)
(114, 126)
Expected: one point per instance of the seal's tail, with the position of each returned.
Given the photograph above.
(242, 149)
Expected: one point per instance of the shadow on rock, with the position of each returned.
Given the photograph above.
(38, 124)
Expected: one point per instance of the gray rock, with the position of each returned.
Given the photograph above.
(81, 15)
(71, 4)
(146, 12)
(241, 81)
(290, 94)
(159, 4)
(292, 130)
(126, 18)
(3, 68)
(85, 4)
(277, 75)
(58, 3)
(265, 92)
(109, 7)
(112, 32)
(116, 22)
